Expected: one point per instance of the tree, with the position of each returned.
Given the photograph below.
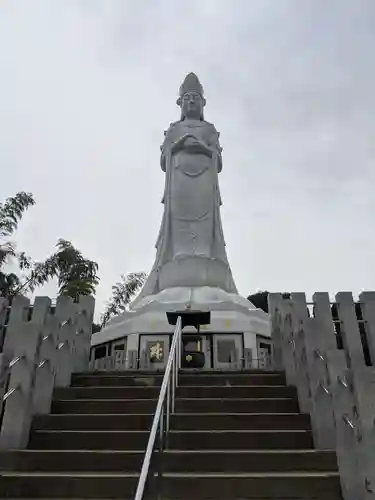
(76, 275)
(122, 293)
(96, 327)
(260, 300)
(11, 212)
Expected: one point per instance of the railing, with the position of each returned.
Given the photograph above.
(133, 361)
(164, 408)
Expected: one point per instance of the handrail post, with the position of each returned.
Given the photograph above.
(174, 379)
(161, 421)
(168, 405)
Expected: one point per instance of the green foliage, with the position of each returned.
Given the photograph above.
(76, 275)
(122, 293)
(9, 282)
(96, 327)
(260, 300)
(41, 273)
(7, 250)
(11, 212)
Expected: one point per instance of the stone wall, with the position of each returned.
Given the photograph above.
(41, 346)
(328, 352)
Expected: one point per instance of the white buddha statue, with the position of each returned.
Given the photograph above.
(190, 247)
(191, 269)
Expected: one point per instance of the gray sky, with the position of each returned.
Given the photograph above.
(87, 88)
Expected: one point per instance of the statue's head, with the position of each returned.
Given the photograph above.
(191, 98)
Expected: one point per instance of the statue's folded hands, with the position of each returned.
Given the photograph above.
(194, 146)
(180, 142)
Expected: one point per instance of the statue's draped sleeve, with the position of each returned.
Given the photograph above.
(166, 147)
(214, 143)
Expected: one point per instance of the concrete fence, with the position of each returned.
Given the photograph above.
(328, 352)
(41, 347)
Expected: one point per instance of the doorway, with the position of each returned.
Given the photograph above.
(227, 351)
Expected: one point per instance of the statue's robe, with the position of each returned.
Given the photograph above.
(190, 246)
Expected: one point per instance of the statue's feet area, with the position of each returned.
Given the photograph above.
(204, 297)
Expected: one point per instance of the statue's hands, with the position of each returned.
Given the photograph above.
(181, 141)
(192, 145)
(191, 141)
(179, 144)
(197, 147)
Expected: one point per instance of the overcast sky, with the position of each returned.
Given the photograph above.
(88, 87)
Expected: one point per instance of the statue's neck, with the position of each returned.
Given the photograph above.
(192, 120)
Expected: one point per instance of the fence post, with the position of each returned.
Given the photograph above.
(325, 333)
(3, 318)
(321, 340)
(45, 358)
(367, 302)
(363, 383)
(3, 360)
(65, 339)
(350, 332)
(82, 338)
(345, 424)
(303, 349)
(282, 331)
(20, 346)
(274, 312)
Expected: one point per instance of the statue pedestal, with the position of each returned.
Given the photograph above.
(231, 315)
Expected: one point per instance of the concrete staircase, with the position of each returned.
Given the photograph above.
(235, 436)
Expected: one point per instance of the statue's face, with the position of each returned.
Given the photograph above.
(192, 105)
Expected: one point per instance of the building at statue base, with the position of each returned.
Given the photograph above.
(191, 270)
(238, 336)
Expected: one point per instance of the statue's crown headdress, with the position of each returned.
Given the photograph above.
(191, 84)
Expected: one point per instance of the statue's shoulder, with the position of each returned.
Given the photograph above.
(210, 126)
(174, 124)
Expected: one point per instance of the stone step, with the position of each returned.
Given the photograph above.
(199, 405)
(183, 371)
(181, 440)
(322, 485)
(182, 421)
(172, 461)
(132, 392)
(214, 379)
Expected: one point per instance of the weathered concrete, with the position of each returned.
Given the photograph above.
(40, 352)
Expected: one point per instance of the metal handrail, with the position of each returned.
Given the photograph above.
(6, 369)
(349, 422)
(167, 393)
